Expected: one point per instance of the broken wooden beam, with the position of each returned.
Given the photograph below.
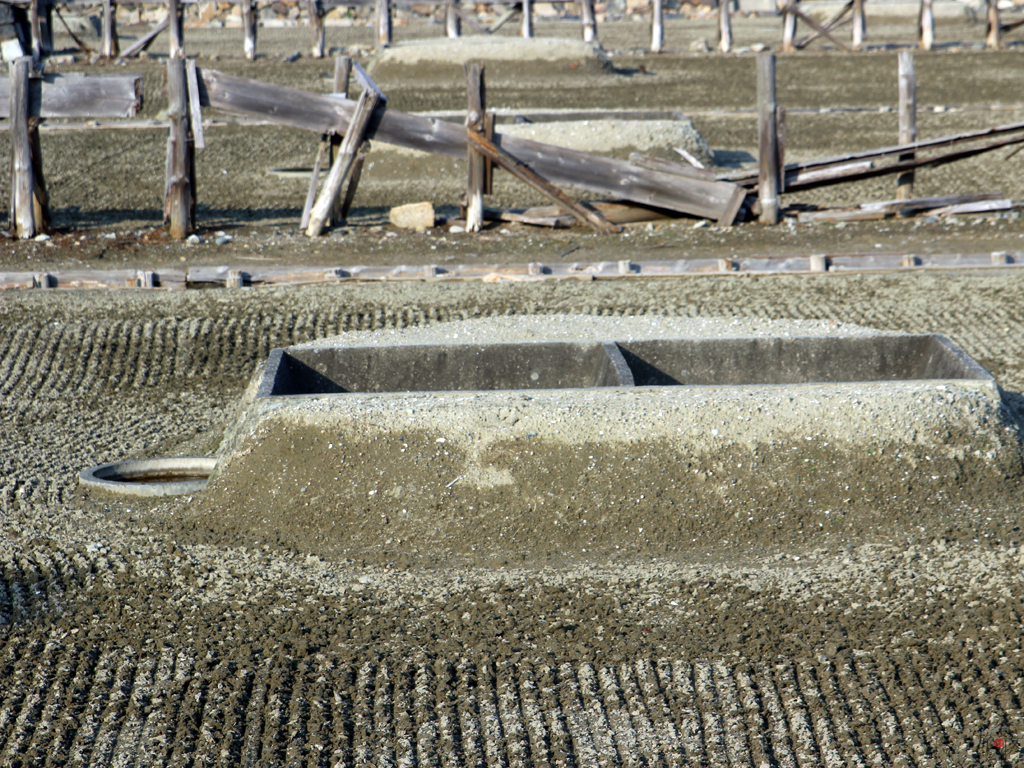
(146, 40)
(524, 173)
(601, 175)
(793, 9)
(75, 95)
(668, 166)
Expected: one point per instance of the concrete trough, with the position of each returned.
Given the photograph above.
(508, 438)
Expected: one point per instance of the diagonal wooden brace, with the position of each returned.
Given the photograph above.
(524, 173)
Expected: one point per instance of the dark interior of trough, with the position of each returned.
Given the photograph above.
(568, 365)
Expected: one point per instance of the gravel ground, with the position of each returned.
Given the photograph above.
(136, 633)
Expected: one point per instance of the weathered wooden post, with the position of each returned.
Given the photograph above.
(767, 140)
(452, 25)
(342, 75)
(587, 20)
(383, 23)
(250, 23)
(724, 26)
(993, 38)
(110, 43)
(527, 30)
(657, 26)
(23, 220)
(35, 31)
(926, 26)
(475, 161)
(178, 190)
(908, 121)
(316, 27)
(788, 27)
(177, 35)
(859, 25)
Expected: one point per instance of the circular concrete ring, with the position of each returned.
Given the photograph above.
(150, 477)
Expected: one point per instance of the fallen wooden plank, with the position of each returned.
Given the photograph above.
(601, 175)
(796, 179)
(830, 215)
(75, 95)
(986, 206)
(749, 178)
(917, 205)
(668, 166)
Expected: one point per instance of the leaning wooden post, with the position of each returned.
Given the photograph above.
(23, 220)
(110, 44)
(250, 23)
(926, 26)
(452, 25)
(177, 36)
(767, 140)
(788, 27)
(316, 28)
(992, 32)
(178, 190)
(342, 75)
(859, 25)
(724, 26)
(587, 20)
(657, 27)
(383, 23)
(527, 30)
(908, 121)
(475, 124)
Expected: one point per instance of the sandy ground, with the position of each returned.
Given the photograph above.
(133, 634)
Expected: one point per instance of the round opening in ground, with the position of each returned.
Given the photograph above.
(150, 477)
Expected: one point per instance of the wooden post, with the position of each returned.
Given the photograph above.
(36, 32)
(23, 220)
(993, 30)
(316, 28)
(527, 18)
(46, 28)
(908, 121)
(342, 72)
(788, 28)
(314, 178)
(177, 36)
(657, 27)
(178, 190)
(110, 44)
(767, 140)
(40, 199)
(353, 140)
(724, 26)
(383, 23)
(780, 140)
(587, 20)
(926, 26)
(859, 25)
(475, 124)
(250, 23)
(452, 25)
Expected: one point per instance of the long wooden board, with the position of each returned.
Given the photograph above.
(81, 96)
(602, 175)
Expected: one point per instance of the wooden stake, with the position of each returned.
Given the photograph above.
(657, 27)
(908, 121)
(110, 42)
(143, 42)
(342, 72)
(926, 26)
(859, 25)
(177, 36)
(993, 30)
(40, 199)
(767, 140)
(451, 20)
(314, 179)
(368, 102)
(250, 23)
(780, 139)
(587, 20)
(179, 193)
(724, 26)
(475, 124)
(524, 173)
(316, 27)
(353, 184)
(22, 219)
(788, 27)
(35, 31)
(46, 28)
(383, 23)
(194, 108)
(527, 18)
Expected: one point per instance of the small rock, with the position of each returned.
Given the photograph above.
(701, 224)
(417, 216)
(293, 56)
(193, 240)
(41, 238)
(758, 47)
(223, 240)
(743, 49)
(109, 235)
(700, 45)
(456, 229)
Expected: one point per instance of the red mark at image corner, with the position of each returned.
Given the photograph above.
(999, 743)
